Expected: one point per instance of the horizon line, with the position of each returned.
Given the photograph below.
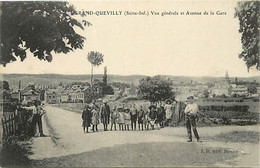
(128, 75)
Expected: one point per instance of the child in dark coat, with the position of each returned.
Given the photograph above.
(86, 117)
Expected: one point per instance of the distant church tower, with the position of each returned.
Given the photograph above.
(227, 77)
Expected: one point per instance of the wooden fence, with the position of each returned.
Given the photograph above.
(16, 123)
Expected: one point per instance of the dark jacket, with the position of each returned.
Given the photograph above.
(105, 113)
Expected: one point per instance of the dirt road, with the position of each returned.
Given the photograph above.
(67, 145)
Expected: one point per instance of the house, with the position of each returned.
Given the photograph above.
(85, 94)
(30, 96)
(81, 94)
(240, 90)
(51, 97)
(65, 96)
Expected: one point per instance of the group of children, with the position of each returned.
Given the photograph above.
(125, 117)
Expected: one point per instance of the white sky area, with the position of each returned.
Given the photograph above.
(152, 45)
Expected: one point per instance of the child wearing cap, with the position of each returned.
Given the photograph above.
(127, 118)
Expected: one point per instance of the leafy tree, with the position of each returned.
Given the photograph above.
(206, 93)
(252, 88)
(96, 59)
(108, 89)
(155, 89)
(41, 27)
(248, 13)
(4, 85)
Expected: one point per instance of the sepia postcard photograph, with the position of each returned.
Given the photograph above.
(149, 83)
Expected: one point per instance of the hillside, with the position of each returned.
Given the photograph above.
(55, 79)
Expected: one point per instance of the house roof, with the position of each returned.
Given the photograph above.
(30, 92)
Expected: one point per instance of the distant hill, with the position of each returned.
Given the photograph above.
(55, 79)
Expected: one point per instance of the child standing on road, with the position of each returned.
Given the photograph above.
(121, 119)
(114, 117)
(146, 121)
(95, 118)
(153, 115)
(127, 118)
(140, 117)
(86, 117)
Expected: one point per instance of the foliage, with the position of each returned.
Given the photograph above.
(40, 27)
(252, 88)
(96, 59)
(107, 89)
(155, 89)
(120, 85)
(206, 93)
(4, 85)
(248, 13)
(80, 83)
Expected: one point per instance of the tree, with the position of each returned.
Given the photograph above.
(206, 93)
(252, 88)
(248, 13)
(155, 89)
(105, 77)
(96, 59)
(41, 27)
(4, 85)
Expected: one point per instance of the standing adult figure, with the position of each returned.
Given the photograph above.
(133, 113)
(191, 114)
(37, 111)
(105, 114)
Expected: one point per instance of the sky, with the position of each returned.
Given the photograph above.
(178, 45)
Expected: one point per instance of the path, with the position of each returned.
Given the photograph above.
(67, 139)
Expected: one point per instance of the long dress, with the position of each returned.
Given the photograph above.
(121, 119)
(114, 117)
(146, 118)
(95, 117)
(168, 111)
(127, 117)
